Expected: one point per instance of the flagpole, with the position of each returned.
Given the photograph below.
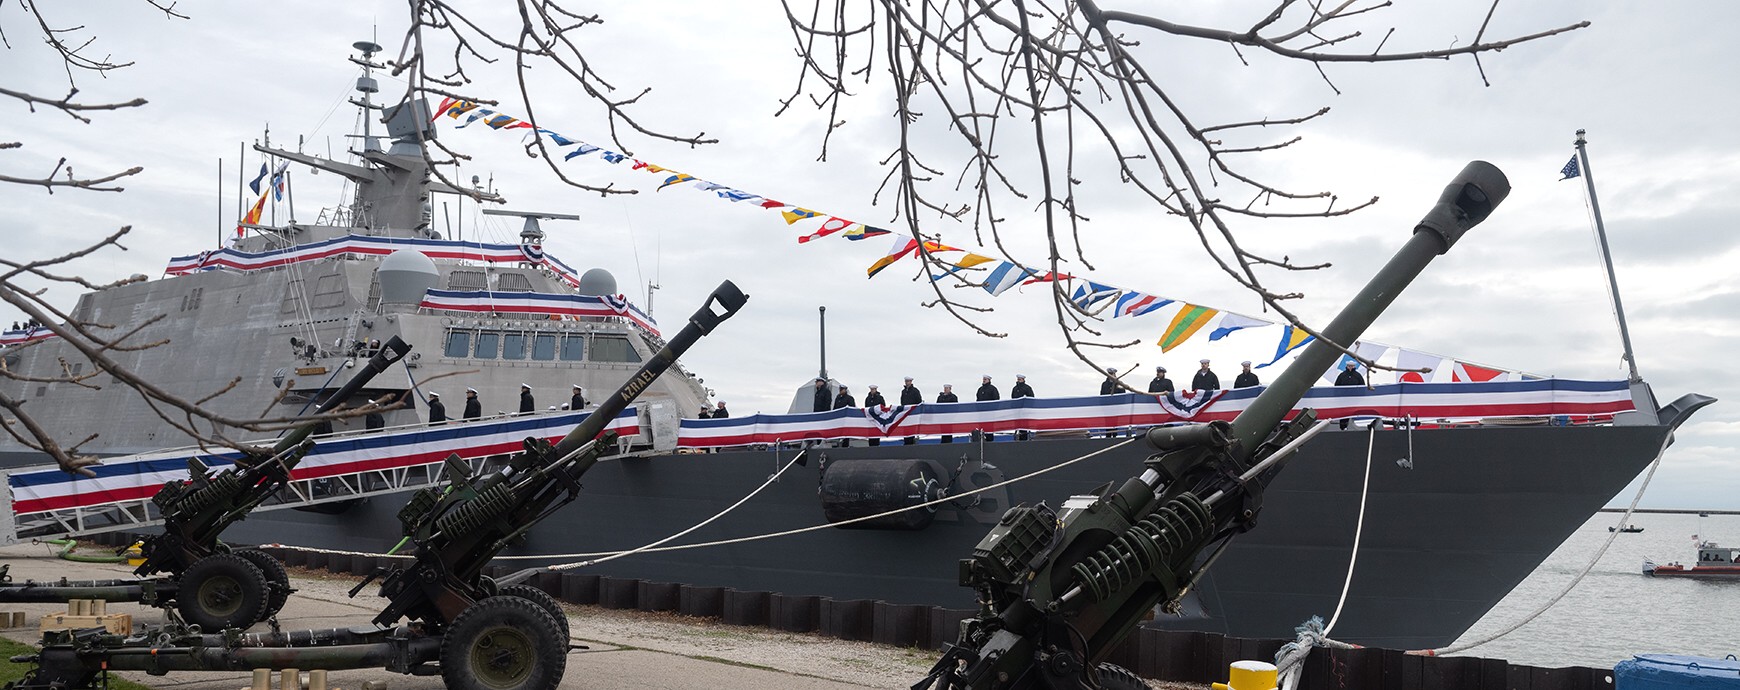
(242, 154)
(1607, 257)
(220, 204)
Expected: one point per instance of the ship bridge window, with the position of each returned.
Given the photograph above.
(487, 343)
(573, 347)
(467, 280)
(613, 349)
(513, 346)
(513, 282)
(458, 343)
(544, 346)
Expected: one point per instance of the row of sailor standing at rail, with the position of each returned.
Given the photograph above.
(528, 404)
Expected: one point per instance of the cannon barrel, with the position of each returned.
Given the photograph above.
(391, 352)
(1467, 201)
(721, 305)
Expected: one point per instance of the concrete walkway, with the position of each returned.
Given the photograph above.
(627, 649)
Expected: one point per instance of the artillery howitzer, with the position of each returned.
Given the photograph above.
(202, 578)
(1060, 590)
(476, 633)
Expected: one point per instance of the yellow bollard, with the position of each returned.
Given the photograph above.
(136, 553)
(1249, 675)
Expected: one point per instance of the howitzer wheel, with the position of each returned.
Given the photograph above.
(543, 600)
(1113, 677)
(277, 579)
(222, 591)
(503, 643)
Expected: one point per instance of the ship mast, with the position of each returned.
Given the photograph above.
(1607, 257)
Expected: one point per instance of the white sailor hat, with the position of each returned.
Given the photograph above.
(909, 379)
(576, 386)
(1021, 376)
(1111, 370)
(1245, 363)
(526, 386)
(872, 386)
(987, 377)
(1205, 361)
(433, 394)
(471, 390)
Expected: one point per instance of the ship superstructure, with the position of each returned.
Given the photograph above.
(315, 296)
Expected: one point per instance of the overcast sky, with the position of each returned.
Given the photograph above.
(1523, 292)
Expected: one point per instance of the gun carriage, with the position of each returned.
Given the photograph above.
(186, 567)
(1060, 589)
(442, 615)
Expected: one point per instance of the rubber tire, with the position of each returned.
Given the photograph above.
(1113, 677)
(543, 600)
(222, 591)
(275, 574)
(522, 635)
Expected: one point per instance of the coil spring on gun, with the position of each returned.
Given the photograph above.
(1152, 541)
(475, 513)
(225, 484)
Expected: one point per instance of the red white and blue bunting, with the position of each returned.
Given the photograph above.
(1581, 401)
(139, 477)
(538, 303)
(26, 335)
(235, 260)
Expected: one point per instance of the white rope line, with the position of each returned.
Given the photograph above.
(772, 535)
(1623, 519)
(843, 523)
(1358, 527)
(698, 525)
(1290, 659)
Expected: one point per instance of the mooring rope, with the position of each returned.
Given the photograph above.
(653, 548)
(1358, 527)
(1623, 520)
(698, 525)
(1290, 659)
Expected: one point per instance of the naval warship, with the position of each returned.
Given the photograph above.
(1455, 516)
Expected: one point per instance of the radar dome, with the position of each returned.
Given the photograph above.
(597, 282)
(405, 275)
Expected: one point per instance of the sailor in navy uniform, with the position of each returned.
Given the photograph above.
(1160, 384)
(1350, 375)
(1205, 379)
(437, 411)
(1110, 386)
(473, 406)
(527, 405)
(1246, 378)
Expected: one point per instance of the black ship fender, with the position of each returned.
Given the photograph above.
(857, 488)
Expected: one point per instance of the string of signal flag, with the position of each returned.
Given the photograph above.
(1188, 320)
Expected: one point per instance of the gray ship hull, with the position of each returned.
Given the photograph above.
(1443, 541)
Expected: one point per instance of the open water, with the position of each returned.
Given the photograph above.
(1616, 611)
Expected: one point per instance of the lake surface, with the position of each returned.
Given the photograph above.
(1616, 611)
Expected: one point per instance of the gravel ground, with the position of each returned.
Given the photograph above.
(627, 648)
